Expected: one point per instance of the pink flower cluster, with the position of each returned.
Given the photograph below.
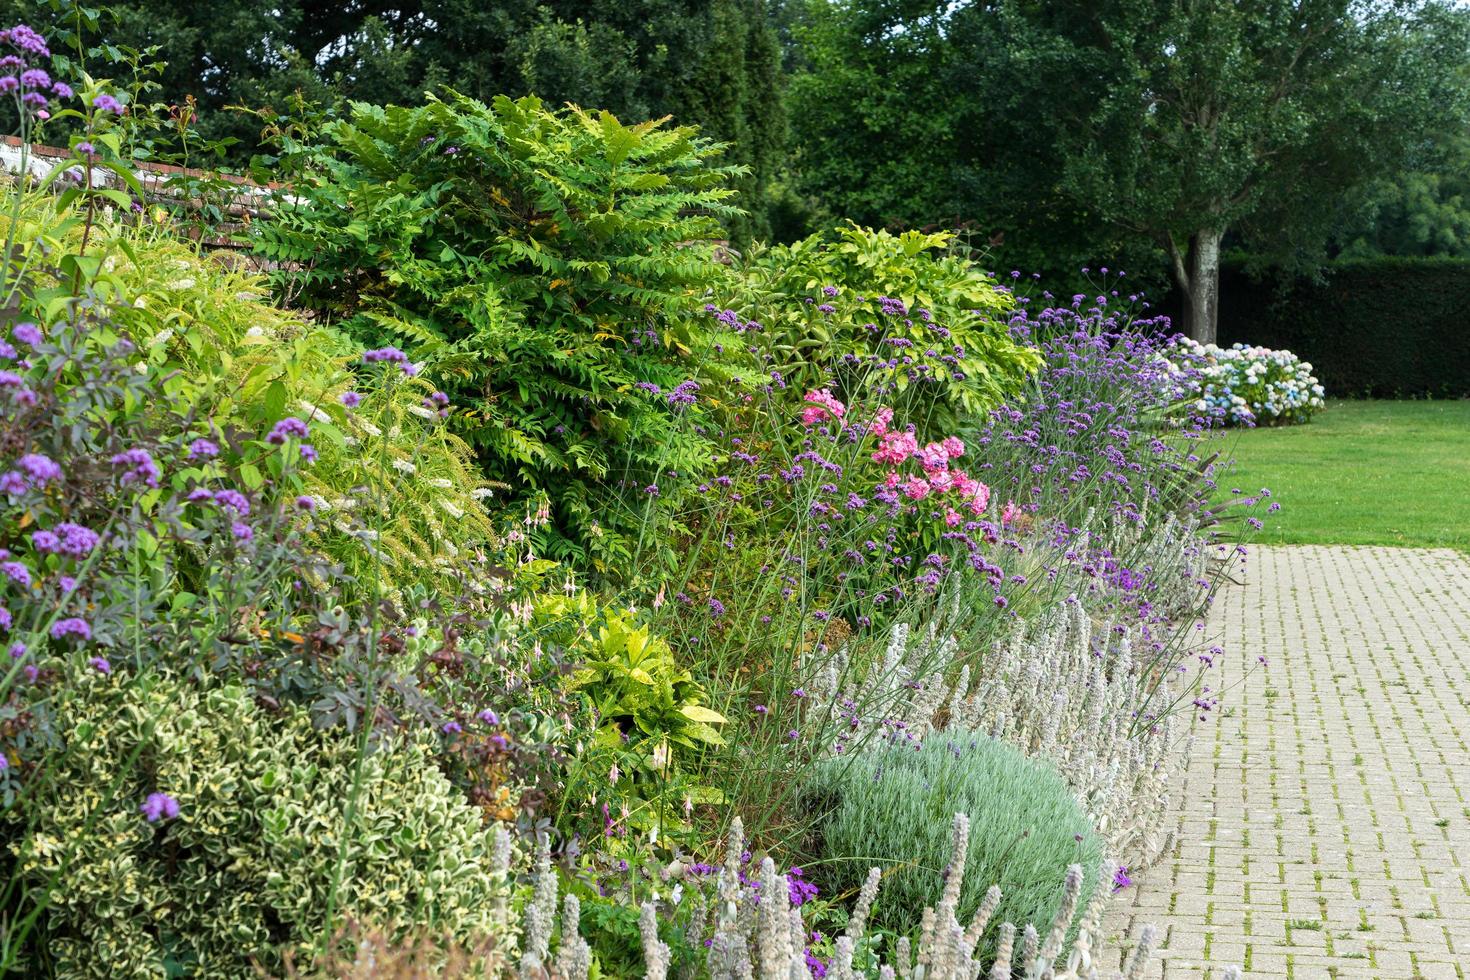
(822, 405)
(896, 448)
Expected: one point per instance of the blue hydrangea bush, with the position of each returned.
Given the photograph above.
(1243, 385)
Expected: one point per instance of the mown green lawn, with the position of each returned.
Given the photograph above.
(1363, 472)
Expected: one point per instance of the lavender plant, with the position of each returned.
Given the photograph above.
(891, 804)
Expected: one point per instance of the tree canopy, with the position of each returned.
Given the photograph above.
(711, 62)
(1169, 123)
(1148, 134)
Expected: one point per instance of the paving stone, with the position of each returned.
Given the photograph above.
(1334, 787)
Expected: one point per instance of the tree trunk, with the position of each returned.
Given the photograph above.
(1197, 274)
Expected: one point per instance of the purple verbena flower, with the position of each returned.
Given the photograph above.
(71, 626)
(203, 449)
(137, 465)
(287, 428)
(159, 806)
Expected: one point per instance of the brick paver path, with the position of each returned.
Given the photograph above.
(1325, 815)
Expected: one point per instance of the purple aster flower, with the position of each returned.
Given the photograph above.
(35, 78)
(489, 717)
(159, 806)
(101, 665)
(45, 542)
(62, 90)
(17, 650)
(71, 626)
(106, 103)
(5, 619)
(351, 399)
(28, 334)
(242, 531)
(451, 728)
(16, 572)
(8, 84)
(305, 503)
(308, 452)
(199, 495)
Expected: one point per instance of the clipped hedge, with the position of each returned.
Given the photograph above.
(1379, 328)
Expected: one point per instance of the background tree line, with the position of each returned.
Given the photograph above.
(1146, 134)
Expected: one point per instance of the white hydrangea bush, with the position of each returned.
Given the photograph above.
(1242, 385)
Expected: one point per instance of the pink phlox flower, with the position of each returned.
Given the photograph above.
(980, 498)
(821, 406)
(1010, 512)
(933, 457)
(881, 420)
(916, 489)
(897, 447)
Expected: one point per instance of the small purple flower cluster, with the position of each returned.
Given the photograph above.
(21, 77)
(391, 355)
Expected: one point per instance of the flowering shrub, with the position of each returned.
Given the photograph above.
(1243, 385)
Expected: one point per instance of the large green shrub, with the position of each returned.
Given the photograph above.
(827, 305)
(892, 806)
(247, 866)
(1377, 328)
(541, 264)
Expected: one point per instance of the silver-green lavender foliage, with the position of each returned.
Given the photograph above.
(767, 941)
(892, 804)
(1044, 690)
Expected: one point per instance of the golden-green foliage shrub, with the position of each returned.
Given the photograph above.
(246, 869)
(243, 364)
(246, 363)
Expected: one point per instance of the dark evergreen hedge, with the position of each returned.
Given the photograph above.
(1381, 328)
